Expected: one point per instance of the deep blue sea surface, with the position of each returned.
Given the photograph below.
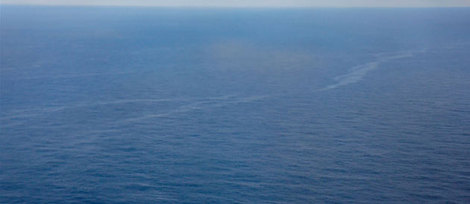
(153, 105)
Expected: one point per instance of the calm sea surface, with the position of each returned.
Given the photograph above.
(148, 105)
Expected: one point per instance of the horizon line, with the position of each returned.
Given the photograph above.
(227, 6)
(246, 3)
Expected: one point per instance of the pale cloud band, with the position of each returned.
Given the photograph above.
(249, 3)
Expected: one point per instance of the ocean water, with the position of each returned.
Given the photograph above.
(152, 105)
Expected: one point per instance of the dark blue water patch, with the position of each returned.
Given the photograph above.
(118, 105)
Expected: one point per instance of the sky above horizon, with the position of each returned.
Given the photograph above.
(249, 3)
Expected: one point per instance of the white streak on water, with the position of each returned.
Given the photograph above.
(40, 111)
(357, 73)
(71, 76)
(200, 105)
(18, 117)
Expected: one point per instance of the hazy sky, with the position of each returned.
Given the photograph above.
(252, 3)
